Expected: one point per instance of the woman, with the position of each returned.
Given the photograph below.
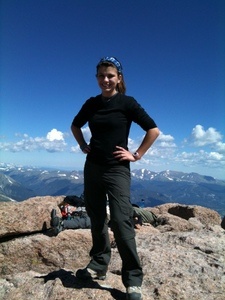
(107, 172)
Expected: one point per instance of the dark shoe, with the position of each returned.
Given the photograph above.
(87, 273)
(161, 221)
(55, 223)
(134, 293)
(53, 215)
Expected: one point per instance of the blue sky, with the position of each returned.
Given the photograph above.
(173, 56)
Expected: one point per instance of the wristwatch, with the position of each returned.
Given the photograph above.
(136, 155)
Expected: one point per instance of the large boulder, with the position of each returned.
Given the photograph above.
(183, 258)
(32, 215)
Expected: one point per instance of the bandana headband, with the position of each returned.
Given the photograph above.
(112, 60)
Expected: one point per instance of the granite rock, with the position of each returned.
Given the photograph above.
(182, 259)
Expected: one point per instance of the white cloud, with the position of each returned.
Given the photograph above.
(54, 142)
(215, 156)
(220, 147)
(164, 153)
(165, 141)
(55, 135)
(87, 134)
(165, 137)
(133, 144)
(163, 148)
(201, 137)
(75, 149)
(207, 159)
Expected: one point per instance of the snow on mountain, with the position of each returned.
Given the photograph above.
(147, 188)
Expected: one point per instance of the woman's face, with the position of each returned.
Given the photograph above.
(108, 78)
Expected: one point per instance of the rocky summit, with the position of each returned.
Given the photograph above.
(182, 259)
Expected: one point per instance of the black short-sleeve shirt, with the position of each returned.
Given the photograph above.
(109, 121)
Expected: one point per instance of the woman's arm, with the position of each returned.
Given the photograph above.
(150, 136)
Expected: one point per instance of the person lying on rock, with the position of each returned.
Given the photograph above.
(75, 219)
(147, 217)
(143, 217)
(73, 215)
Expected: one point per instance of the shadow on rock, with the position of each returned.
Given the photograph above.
(69, 280)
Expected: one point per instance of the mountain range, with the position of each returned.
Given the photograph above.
(147, 188)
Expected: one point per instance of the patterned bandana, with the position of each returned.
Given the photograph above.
(112, 60)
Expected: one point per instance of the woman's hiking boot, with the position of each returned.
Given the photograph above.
(134, 293)
(88, 273)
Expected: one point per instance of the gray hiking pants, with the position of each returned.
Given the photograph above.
(114, 181)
